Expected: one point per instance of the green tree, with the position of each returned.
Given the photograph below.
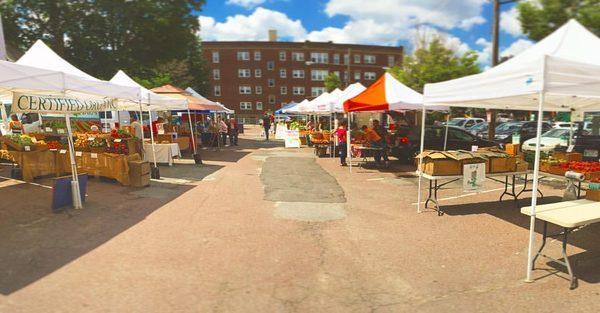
(100, 37)
(332, 81)
(540, 18)
(434, 63)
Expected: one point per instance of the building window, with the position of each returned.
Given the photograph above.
(298, 91)
(217, 91)
(216, 74)
(298, 56)
(283, 90)
(243, 56)
(257, 55)
(298, 74)
(319, 57)
(391, 61)
(370, 75)
(282, 73)
(246, 105)
(282, 56)
(258, 90)
(357, 75)
(336, 58)
(346, 59)
(245, 90)
(244, 72)
(271, 82)
(271, 99)
(270, 65)
(257, 72)
(318, 75)
(370, 59)
(215, 57)
(259, 105)
(357, 58)
(317, 91)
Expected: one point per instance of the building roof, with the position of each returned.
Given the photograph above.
(303, 44)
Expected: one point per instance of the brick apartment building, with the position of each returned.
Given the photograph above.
(254, 77)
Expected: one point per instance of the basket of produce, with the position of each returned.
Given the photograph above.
(82, 143)
(97, 145)
(18, 142)
(54, 145)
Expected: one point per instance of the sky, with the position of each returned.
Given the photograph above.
(464, 24)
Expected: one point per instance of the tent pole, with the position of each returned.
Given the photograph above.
(75, 193)
(536, 172)
(421, 159)
(446, 133)
(192, 130)
(348, 141)
(152, 138)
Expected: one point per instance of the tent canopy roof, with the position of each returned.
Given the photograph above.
(385, 94)
(70, 79)
(151, 100)
(193, 103)
(222, 108)
(564, 66)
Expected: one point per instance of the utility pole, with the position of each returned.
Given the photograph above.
(491, 114)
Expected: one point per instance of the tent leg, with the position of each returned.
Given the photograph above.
(536, 172)
(156, 171)
(348, 141)
(446, 133)
(192, 131)
(75, 182)
(421, 159)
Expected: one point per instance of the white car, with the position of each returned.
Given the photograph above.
(465, 122)
(550, 140)
(565, 125)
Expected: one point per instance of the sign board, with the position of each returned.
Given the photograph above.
(25, 103)
(292, 138)
(516, 139)
(281, 129)
(473, 176)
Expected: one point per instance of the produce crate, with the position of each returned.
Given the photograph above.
(446, 163)
(557, 170)
(593, 195)
(139, 173)
(567, 156)
(592, 175)
(521, 166)
(512, 149)
(501, 165)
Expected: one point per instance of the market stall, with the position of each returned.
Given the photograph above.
(42, 82)
(559, 73)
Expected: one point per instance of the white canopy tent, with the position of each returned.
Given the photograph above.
(559, 73)
(295, 109)
(353, 90)
(199, 96)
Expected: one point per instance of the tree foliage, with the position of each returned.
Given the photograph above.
(434, 63)
(332, 81)
(542, 17)
(153, 39)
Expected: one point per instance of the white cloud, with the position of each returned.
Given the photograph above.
(509, 22)
(516, 48)
(470, 22)
(252, 27)
(248, 4)
(422, 36)
(485, 54)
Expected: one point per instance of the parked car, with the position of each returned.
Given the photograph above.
(550, 140)
(565, 125)
(465, 122)
(503, 118)
(588, 146)
(526, 130)
(479, 129)
(407, 144)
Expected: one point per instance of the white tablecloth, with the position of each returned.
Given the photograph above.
(165, 152)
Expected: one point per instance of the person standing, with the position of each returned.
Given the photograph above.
(138, 132)
(233, 132)
(266, 121)
(15, 125)
(341, 133)
(376, 141)
(272, 120)
(223, 131)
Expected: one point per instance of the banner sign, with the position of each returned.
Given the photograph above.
(473, 176)
(28, 103)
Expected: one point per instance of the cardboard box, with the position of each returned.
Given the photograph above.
(512, 149)
(138, 168)
(521, 165)
(593, 195)
(567, 156)
(446, 163)
(140, 181)
(502, 165)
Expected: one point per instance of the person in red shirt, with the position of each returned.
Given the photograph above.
(341, 133)
(159, 120)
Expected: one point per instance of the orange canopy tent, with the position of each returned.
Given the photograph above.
(194, 103)
(386, 94)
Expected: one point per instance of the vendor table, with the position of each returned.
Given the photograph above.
(109, 165)
(569, 215)
(34, 163)
(578, 184)
(435, 185)
(165, 152)
(366, 152)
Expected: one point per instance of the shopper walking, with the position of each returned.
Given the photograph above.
(341, 133)
(222, 130)
(233, 132)
(266, 121)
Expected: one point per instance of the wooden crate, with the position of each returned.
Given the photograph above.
(593, 195)
(502, 165)
(512, 149)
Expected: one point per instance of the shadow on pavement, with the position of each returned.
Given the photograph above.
(35, 242)
(585, 264)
